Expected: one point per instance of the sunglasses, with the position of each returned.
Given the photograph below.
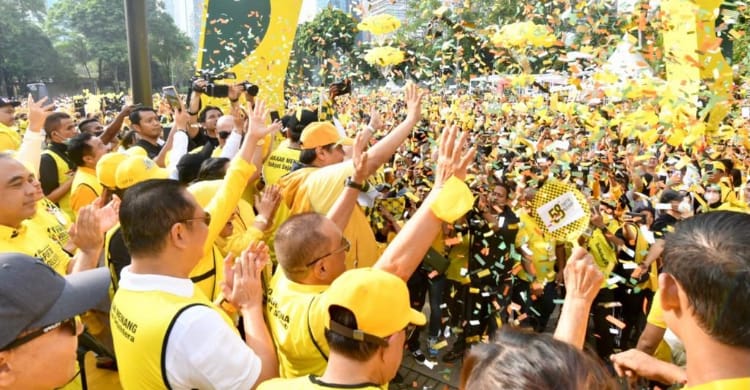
(343, 248)
(69, 324)
(224, 134)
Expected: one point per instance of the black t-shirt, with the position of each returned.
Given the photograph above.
(151, 150)
(489, 249)
(48, 173)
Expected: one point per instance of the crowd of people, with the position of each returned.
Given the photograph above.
(245, 252)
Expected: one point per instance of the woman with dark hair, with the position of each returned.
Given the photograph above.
(524, 360)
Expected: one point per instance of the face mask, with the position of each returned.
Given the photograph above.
(684, 208)
(712, 197)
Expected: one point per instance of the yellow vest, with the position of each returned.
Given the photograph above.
(297, 327)
(312, 383)
(84, 177)
(141, 322)
(604, 254)
(532, 241)
(279, 163)
(209, 273)
(62, 171)
(31, 239)
(53, 221)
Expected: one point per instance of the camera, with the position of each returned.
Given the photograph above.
(220, 90)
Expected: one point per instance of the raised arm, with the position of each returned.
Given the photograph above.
(341, 211)
(449, 195)
(243, 289)
(582, 282)
(31, 146)
(384, 149)
(113, 128)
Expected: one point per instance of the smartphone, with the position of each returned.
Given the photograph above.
(173, 98)
(275, 116)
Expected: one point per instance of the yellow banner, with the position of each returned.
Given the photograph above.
(252, 39)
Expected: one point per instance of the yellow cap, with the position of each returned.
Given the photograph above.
(136, 169)
(379, 300)
(106, 168)
(204, 191)
(321, 134)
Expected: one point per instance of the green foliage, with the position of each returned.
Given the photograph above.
(324, 49)
(26, 54)
(92, 34)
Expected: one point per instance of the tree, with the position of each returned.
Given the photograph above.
(95, 32)
(323, 43)
(26, 54)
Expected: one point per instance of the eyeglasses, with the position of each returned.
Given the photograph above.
(343, 248)
(206, 218)
(70, 324)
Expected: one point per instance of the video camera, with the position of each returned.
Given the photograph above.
(220, 90)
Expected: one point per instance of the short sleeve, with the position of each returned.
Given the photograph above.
(197, 349)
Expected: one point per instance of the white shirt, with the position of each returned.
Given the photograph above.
(202, 351)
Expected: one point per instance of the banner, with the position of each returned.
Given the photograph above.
(252, 39)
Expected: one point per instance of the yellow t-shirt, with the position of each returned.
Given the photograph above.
(221, 207)
(532, 242)
(279, 163)
(85, 189)
(295, 312)
(724, 384)
(323, 187)
(656, 318)
(32, 239)
(50, 218)
(459, 257)
(9, 138)
(311, 382)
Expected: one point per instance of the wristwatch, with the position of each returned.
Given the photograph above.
(350, 183)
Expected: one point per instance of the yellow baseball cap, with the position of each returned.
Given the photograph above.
(204, 191)
(106, 168)
(379, 301)
(136, 169)
(321, 134)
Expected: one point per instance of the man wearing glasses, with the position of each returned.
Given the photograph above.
(311, 250)
(38, 308)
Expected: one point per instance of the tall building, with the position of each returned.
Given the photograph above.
(344, 5)
(187, 16)
(396, 8)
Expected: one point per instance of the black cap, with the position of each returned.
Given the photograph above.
(7, 102)
(670, 195)
(33, 295)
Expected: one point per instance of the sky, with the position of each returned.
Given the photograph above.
(308, 10)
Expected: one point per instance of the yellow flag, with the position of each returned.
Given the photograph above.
(252, 39)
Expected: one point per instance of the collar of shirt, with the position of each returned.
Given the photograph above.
(151, 282)
(7, 232)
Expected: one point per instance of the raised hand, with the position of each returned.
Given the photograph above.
(359, 156)
(258, 128)
(413, 98)
(451, 160)
(583, 279)
(267, 202)
(243, 287)
(38, 113)
(86, 232)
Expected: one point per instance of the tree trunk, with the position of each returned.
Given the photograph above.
(99, 75)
